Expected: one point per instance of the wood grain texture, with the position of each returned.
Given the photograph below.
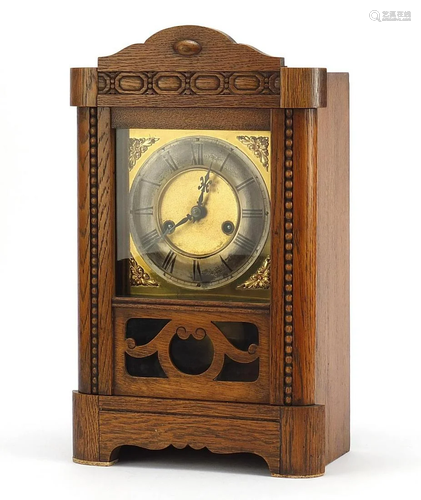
(213, 409)
(189, 101)
(84, 251)
(302, 441)
(290, 439)
(85, 427)
(332, 355)
(304, 255)
(191, 387)
(158, 431)
(303, 87)
(191, 118)
(105, 193)
(218, 52)
(277, 258)
(199, 305)
(83, 86)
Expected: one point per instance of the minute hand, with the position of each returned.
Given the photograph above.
(204, 187)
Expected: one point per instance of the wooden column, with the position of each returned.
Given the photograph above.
(105, 195)
(84, 89)
(303, 279)
(277, 327)
(84, 251)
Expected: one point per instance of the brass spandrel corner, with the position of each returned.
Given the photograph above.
(139, 146)
(138, 276)
(259, 146)
(259, 280)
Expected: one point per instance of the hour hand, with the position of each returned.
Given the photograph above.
(171, 227)
(183, 221)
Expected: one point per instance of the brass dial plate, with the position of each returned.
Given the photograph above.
(205, 236)
(228, 239)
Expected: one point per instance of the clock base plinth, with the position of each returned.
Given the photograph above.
(290, 439)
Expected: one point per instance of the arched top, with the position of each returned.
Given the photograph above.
(182, 31)
(186, 48)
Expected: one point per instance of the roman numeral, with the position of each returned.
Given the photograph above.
(169, 261)
(244, 184)
(244, 243)
(252, 213)
(225, 264)
(197, 150)
(223, 163)
(197, 273)
(169, 160)
(148, 240)
(142, 211)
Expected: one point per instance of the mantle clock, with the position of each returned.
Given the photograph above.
(213, 254)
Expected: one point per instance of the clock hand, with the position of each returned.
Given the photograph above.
(183, 221)
(170, 229)
(204, 186)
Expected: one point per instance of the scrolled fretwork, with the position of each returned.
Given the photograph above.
(222, 347)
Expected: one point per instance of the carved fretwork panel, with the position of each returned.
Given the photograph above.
(203, 351)
(189, 83)
(201, 354)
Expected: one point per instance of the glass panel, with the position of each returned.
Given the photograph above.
(239, 372)
(241, 335)
(191, 356)
(145, 367)
(143, 330)
(193, 212)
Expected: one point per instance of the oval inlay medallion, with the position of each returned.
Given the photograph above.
(187, 47)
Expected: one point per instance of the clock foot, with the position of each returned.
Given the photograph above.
(274, 474)
(302, 442)
(90, 462)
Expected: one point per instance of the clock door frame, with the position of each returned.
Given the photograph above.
(209, 386)
(293, 271)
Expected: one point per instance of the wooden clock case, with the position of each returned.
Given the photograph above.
(296, 416)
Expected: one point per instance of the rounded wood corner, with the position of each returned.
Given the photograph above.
(83, 87)
(303, 88)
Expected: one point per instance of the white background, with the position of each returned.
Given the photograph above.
(40, 41)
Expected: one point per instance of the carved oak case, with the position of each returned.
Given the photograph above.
(213, 254)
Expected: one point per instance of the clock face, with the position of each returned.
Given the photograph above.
(199, 212)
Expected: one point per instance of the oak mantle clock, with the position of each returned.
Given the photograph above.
(213, 254)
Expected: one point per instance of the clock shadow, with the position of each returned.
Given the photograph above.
(190, 459)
